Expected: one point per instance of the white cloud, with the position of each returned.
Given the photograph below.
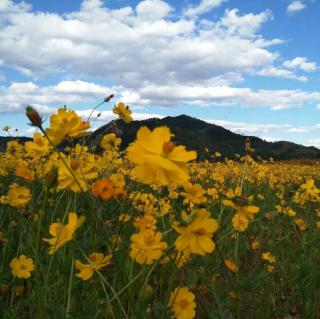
(270, 139)
(246, 25)
(242, 127)
(153, 10)
(295, 6)
(300, 63)
(226, 96)
(149, 58)
(203, 7)
(282, 73)
(313, 142)
(185, 51)
(17, 96)
(106, 116)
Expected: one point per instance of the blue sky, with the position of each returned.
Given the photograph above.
(250, 66)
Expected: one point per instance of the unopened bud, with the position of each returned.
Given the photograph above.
(34, 116)
(108, 98)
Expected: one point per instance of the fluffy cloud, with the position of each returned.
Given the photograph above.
(18, 95)
(152, 10)
(313, 142)
(103, 117)
(242, 127)
(82, 42)
(15, 97)
(225, 95)
(148, 57)
(203, 7)
(247, 25)
(300, 63)
(282, 73)
(295, 6)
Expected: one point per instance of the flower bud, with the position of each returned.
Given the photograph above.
(108, 98)
(34, 116)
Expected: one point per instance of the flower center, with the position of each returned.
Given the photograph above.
(74, 164)
(200, 231)
(168, 147)
(23, 267)
(183, 303)
(38, 141)
(149, 240)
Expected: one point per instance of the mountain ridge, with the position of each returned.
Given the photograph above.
(197, 134)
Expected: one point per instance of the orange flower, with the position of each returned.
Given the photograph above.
(231, 266)
(103, 188)
(106, 189)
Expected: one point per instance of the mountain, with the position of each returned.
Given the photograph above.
(198, 135)
(5, 139)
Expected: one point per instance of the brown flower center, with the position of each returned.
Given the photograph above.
(149, 240)
(168, 147)
(74, 164)
(200, 231)
(183, 303)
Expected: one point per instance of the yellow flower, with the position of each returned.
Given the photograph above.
(39, 147)
(307, 192)
(300, 223)
(97, 261)
(18, 196)
(270, 268)
(23, 171)
(145, 222)
(123, 218)
(244, 211)
(66, 124)
(268, 257)
(181, 258)
(123, 111)
(83, 170)
(110, 142)
(157, 159)
(194, 194)
(61, 233)
(196, 237)
(240, 222)
(22, 267)
(182, 303)
(146, 246)
(213, 193)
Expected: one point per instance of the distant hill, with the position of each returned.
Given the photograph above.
(5, 139)
(197, 135)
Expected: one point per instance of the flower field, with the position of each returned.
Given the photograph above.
(150, 232)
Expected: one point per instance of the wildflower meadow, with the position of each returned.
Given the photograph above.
(152, 232)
